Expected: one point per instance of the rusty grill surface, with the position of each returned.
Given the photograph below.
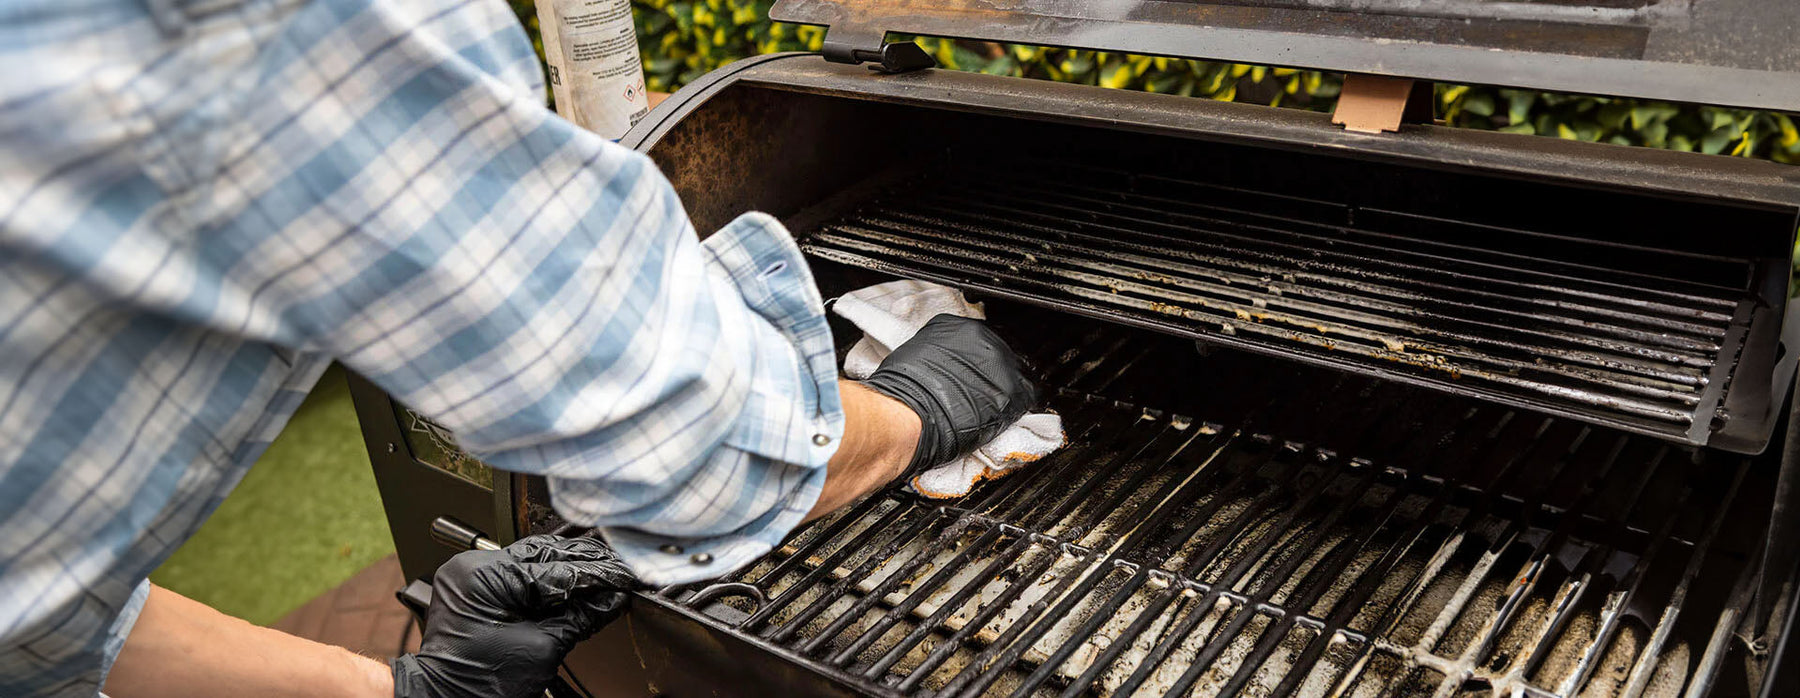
(1415, 543)
(1462, 306)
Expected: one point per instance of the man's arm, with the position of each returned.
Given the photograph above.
(499, 625)
(182, 648)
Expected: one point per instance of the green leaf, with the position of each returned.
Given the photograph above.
(1167, 84)
(1518, 105)
(1218, 82)
(1745, 146)
(1077, 64)
(1480, 103)
(1613, 115)
(1654, 112)
(1716, 142)
(1139, 65)
(1790, 136)
(1116, 76)
(967, 59)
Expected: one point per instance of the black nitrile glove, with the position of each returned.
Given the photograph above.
(962, 380)
(501, 620)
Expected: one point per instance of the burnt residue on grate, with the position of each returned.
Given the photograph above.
(1453, 304)
(1409, 543)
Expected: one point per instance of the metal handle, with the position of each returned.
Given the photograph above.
(456, 534)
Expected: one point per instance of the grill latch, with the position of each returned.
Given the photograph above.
(855, 45)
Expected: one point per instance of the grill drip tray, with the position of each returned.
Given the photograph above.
(1463, 307)
(1286, 530)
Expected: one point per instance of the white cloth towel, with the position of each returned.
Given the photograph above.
(891, 313)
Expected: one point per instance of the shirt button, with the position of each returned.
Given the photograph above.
(821, 440)
(700, 558)
(672, 549)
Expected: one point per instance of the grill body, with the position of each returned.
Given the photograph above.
(1429, 413)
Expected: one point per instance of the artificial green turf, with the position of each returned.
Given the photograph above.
(304, 519)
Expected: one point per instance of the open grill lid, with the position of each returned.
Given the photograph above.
(1740, 53)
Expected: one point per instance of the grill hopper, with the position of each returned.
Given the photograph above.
(1280, 514)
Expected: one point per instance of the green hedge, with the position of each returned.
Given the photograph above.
(684, 39)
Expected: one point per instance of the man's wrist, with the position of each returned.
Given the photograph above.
(369, 677)
(895, 433)
(880, 435)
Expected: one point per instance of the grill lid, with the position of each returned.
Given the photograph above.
(1738, 53)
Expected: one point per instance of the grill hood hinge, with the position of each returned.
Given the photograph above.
(855, 45)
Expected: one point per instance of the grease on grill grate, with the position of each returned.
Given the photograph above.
(1439, 546)
(1284, 274)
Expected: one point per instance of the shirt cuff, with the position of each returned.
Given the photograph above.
(793, 414)
(121, 629)
(790, 421)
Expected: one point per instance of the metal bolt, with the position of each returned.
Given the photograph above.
(392, 448)
(821, 439)
(671, 549)
(701, 558)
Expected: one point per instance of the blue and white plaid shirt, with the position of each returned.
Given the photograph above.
(203, 202)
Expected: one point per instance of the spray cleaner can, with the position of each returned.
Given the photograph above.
(595, 73)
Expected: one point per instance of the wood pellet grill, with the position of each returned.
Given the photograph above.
(1434, 412)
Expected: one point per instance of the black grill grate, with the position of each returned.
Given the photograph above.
(1412, 544)
(1399, 294)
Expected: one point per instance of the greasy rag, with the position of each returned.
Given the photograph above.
(889, 314)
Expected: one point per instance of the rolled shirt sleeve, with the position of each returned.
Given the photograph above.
(775, 424)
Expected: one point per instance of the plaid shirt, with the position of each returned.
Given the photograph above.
(203, 202)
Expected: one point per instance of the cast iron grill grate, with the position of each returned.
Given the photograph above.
(1459, 306)
(1415, 544)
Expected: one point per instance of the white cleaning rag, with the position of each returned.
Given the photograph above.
(891, 313)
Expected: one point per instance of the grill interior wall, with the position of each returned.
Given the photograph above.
(1386, 541)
